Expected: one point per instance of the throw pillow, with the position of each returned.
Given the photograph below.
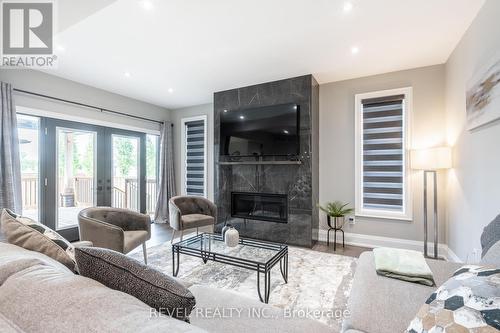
(490, 235)
(467, 302)
(119, 272)
(34, 236)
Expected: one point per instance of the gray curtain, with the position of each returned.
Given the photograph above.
(10, 164)
(166, 185)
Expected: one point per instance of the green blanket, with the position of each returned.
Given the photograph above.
(404, 265)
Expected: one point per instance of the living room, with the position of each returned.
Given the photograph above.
(331, 163)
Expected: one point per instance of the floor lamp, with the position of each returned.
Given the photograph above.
(430, 160)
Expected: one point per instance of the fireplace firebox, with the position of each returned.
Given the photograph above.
(260, 206)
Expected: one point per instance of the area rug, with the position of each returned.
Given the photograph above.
(317, 281)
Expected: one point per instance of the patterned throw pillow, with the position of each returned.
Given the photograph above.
(34, 236)
(117, 271)
(468, 302)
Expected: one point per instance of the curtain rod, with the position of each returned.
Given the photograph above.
(88, 106)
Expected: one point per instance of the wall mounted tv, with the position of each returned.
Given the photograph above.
(260, 131)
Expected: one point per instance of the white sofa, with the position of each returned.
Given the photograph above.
(379, 304)
(38, 294)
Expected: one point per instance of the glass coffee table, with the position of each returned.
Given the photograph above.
(255, 255)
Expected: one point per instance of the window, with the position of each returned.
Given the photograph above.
(382, 186)
(194, 156)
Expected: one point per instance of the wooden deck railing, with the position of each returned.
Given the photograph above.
(124, 193)
(84, 191)
(151, 193)
(29, 189)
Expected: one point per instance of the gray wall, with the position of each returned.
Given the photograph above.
(474, 182)
(193, 111)
(44, 83)
(337, 143)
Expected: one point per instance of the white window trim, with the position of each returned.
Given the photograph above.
(183, 152)
(407, 214)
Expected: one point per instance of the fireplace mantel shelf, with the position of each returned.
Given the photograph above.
(262, 163)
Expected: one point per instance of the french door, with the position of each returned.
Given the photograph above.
(84, 165)
(126, 181)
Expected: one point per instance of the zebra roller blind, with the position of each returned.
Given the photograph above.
(383, 153)
(195, 158)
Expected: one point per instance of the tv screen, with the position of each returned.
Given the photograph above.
(261, 131)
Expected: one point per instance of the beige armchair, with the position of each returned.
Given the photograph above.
(117, 229)
(189, 212)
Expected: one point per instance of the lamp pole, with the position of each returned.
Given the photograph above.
(434, 174)
(430, 160)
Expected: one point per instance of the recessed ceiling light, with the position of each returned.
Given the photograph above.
(355, 50)
(170, 90)
(147, 4)
(347, 6)
(225, 110)
(285, 131)
(127, 74)
(295, 107)
(242, 117)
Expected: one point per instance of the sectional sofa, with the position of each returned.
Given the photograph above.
(38, 294)
(379, 304)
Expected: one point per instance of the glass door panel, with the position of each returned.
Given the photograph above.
(125, 172)
(152, 157)
(76, 174)
(29, 151)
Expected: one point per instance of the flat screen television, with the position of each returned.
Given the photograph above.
(260, 131)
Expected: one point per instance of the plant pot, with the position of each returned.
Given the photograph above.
(338, 222)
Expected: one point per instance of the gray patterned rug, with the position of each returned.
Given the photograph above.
(316, 280)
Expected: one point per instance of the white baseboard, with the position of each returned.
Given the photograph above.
(379, 241)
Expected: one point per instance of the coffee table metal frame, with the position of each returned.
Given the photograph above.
(281, 256)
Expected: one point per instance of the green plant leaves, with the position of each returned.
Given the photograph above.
(336, 209)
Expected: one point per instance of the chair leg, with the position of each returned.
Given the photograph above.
(196, 231)
(182, 234)
(213, 228)
(173, 236)
(145, 253)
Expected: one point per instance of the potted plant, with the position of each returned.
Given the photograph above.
(338, 210)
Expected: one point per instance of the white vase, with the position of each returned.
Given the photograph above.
(231, 237)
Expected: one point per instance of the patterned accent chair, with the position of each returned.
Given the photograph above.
(189, 212)
(118, 229)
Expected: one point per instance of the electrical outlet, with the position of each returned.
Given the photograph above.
(351, 219)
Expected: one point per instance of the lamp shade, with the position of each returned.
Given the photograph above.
(431, 159)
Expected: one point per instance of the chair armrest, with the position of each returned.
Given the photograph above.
(101, 234)
(213, 210)
(174, 216)
(82, 244)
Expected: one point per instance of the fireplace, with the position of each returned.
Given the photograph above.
(260, 206)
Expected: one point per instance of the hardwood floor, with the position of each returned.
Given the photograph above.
(161, 233)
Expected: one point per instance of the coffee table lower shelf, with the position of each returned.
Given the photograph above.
(261, 268)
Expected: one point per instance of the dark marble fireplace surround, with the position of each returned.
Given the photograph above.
(296, 178)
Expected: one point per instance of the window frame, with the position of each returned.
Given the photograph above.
(184, 150)
(407, 213)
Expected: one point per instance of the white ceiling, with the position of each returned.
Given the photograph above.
(197, 47)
